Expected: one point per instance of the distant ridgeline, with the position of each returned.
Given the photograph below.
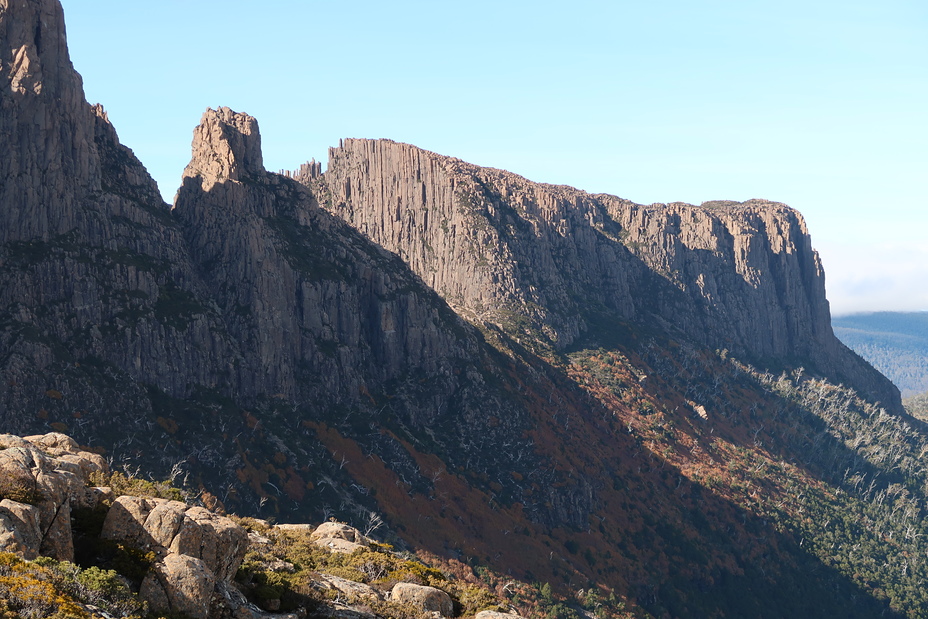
(895, 343)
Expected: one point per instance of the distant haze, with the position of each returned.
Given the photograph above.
(895, 343)
(875, 277)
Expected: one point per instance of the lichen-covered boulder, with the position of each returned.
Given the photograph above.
(172, 527)
(424, 598)
(125, 521)
(179, 584)
(20, 531)
(492, 614)
(54, 443)
(353, 591)
(338, 537)
(338, 545)
(217, 540)
(337, 530)
(51, 473)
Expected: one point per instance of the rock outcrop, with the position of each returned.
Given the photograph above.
(423, 598)
(42, 478)
(554, 263)
(180, 584)
(172, 527)
(197, 552)
(45, 118)
(338, 537)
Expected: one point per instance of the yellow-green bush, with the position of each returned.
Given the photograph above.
(19, 486)
(28, 592)
(129, 485)
(94, 585)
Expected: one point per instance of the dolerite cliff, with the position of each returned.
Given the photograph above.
(316, 309)
(560, 386)
(91, 255)
(739, 276)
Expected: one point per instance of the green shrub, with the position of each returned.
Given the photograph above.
(472, 599)
(28, 591)
(19, 486)
(128, 485)
(94, 585)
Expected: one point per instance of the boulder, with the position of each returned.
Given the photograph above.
(11, 440)
(424, 598)
(221, 543)
(164, 521)
(20, 531)
(353, 591)
(179, 584)
(338, 537)
(171, 527)
(87, 462)
(54, 443)
(337, 530)
(338, 545)
(492, 614)
(51, 472)
(125, 521)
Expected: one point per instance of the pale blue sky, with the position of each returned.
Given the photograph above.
(821, 105)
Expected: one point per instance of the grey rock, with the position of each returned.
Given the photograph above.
(180, 584)
(337, 530)
(422, 597)
(740, 276)
(20, 529)
(354, 592)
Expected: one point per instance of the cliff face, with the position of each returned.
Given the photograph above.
(90, 254)
(121, 318)
(556, 263)
(47, 121)
(315, 308)
(506, 370)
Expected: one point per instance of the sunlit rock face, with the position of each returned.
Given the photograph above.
(557, 262)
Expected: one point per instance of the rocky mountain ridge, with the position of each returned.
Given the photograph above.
(738, 276)
(543, 383)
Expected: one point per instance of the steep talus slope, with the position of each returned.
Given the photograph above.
(556, 263)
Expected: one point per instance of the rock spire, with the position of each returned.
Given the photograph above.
(226, 146)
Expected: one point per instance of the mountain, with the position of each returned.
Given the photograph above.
(553, 387)
(896, 343)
